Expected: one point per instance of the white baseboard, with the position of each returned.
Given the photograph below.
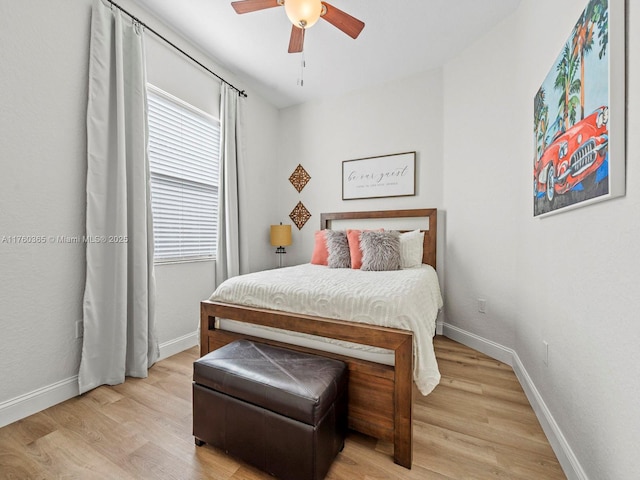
(179, 344)
(33, 402)
(569, 462)
(471, 340)
(38, 400)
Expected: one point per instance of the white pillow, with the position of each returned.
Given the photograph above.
(411, 245)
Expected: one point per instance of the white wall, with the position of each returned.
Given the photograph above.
(43, 90)
(402, 116)
(480, 154)
(570, 279)
(258, 176)
(43, 95)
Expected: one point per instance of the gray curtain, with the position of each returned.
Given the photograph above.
(228, 251)
(118, 308)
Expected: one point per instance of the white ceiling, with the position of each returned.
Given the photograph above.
(400, 38)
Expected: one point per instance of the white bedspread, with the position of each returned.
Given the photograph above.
(407, 299)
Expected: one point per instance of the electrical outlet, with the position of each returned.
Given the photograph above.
(482, 305)
(545, 352)
(79, 328)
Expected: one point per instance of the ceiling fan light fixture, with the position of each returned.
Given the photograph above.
(303, 13)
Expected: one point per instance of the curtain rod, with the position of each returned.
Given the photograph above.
(133, 17)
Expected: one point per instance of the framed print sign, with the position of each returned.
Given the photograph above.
(375, 177)
(579, 115)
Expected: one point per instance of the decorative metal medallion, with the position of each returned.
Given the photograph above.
(299, 215)
(299, 178)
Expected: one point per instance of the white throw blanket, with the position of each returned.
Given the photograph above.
(407, 299)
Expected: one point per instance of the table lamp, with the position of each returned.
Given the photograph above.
(280, 237)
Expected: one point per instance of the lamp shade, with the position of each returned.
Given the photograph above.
(303, 13)
(280, 235)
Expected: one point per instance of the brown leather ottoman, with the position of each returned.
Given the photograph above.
(284, 412)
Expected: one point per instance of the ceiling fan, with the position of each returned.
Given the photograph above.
(304, 14)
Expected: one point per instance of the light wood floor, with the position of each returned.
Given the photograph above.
(477, 424)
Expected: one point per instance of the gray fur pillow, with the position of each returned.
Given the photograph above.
(338, 248)
(380, 250)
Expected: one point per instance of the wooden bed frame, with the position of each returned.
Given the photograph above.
(380, 396)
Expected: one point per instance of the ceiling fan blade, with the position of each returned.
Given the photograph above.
(296, 42)
(246, 6)
(343, 21)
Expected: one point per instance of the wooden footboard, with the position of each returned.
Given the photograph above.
(380, 396)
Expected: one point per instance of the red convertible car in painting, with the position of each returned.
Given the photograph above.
(573, 157)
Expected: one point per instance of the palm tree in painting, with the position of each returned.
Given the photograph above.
(594, 15)
(601, 18)
(569, 85)
(540, 120)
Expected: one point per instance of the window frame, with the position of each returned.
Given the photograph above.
(214, 122)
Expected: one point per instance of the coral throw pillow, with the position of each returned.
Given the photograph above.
(320, 255)
(353, 236)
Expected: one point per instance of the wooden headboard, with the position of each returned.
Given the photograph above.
(430, 235)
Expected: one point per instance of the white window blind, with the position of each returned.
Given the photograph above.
(184, 157)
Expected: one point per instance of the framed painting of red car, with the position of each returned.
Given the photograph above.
(579, 115)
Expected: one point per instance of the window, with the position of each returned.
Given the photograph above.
(184, 157)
